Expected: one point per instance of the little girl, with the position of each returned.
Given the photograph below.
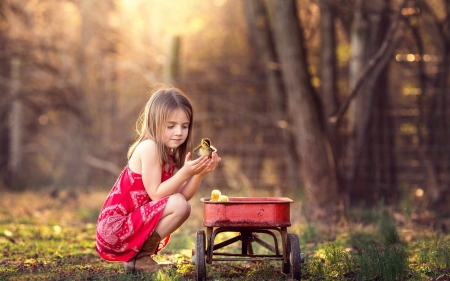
(150, 198)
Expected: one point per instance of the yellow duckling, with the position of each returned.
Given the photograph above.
(223, 198)
(205, 148)
(215, 195)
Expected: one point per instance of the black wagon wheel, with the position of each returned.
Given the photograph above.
(295, 258)
(200, 262)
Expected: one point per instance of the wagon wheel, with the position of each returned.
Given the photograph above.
(200, 262)
(295, 258)
(286, 255)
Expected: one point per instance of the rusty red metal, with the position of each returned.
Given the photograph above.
(247, 212)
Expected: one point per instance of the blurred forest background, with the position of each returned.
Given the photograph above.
(343, 101)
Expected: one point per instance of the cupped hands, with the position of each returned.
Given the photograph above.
(201, 165)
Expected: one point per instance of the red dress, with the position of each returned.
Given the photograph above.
(128, 217)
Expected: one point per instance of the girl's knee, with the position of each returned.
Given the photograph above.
(177, 199)
(187, 210)
(180, 204)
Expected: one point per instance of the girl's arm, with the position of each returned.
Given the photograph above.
(190, 188)
(147, 152)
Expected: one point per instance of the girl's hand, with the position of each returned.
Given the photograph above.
(193, 167)
(212, 164)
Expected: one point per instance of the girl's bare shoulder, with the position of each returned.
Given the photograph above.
(146, 147)
(146, 153)
(147, 144)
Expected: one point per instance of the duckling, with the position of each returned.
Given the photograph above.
(215, 195)
(205, 148)
(223, 198)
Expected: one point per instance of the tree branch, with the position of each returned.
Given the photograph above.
(372, 64)
(102, 164)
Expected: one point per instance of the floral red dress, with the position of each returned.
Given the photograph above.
(128, 217)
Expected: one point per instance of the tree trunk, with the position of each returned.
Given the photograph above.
(357, 110)
(438, 119)
(380, 170)
(5, 73)
(328, 75)
(370, 146)
(317, 168)
(78, 136)
(171, 67)
(425, 155)
(15, 124)
(259, 25)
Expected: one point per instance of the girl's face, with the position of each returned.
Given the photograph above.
(176, 129)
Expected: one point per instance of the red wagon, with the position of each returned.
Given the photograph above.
(248, 216)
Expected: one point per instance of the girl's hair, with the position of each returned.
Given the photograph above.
(150, 124)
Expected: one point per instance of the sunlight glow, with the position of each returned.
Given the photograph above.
(410, 11)
(410, 57)
(412, 91)
(219, 3)
(282, 124)
(408, 129)
(57, 229)
(161, 59)
(419, 192)
(130, 4)
(415, 57)
(43, 119)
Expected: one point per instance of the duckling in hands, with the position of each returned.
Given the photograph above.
(205, 148)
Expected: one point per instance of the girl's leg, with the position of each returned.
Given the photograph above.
(175, 214)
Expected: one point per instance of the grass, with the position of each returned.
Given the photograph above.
(48, 237)
(387, 261)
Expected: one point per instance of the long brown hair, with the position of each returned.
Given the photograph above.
(151, 121)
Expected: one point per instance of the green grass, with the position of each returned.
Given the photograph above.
(387, 261)
(47, 238)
